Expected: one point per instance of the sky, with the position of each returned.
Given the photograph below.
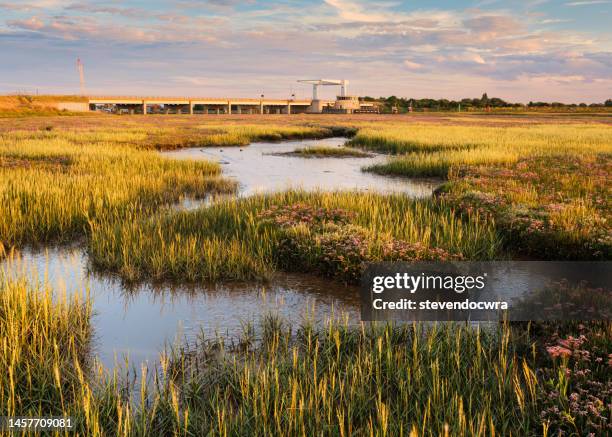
(539, 50)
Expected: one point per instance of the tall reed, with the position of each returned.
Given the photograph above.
(227, 241)
(367, 380)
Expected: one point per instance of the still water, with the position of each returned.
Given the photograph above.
(260, 168)
(138, 322)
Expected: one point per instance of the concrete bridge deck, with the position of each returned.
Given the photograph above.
(149, 104)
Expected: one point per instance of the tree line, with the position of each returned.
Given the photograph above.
(403, 104)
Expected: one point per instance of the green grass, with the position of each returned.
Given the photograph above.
(226, 135)
(228, 241)
(439, 164)
(282, 379)
(109, 186)
(379, 380)
(45, 349)
(376, 380)
(53, 185)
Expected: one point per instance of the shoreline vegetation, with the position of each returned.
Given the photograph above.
(376, 379)
(326, 152)
(535, 189)
(247, 239)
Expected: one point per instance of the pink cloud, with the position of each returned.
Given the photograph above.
(32, 23)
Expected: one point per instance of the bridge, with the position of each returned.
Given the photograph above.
(197, 105)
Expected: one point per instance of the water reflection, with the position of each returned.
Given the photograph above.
(258, 168)
(137, 322)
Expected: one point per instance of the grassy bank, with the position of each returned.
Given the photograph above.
(14, 106)
(329, 233)
(52, 185)
(233, 134)
(426, 150)
(545, 187)
(45, 349)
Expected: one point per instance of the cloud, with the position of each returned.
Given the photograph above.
(87, 28)
(588, 3)
(381, 46)
(92, 9)
(555, 21)
(413, 65)
(353, 11)
(33, 23)
(35, 4)
(466, 57)
(486, 27)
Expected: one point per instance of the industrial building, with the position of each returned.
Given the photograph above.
(344, 103)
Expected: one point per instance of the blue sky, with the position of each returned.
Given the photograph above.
(518, 50)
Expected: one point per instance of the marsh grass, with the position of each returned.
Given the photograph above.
(552, 207)
(426, 150)
(327, 152)
(45, 348)
(226, 135)
(373, 380)
(368, 380)
(378, 380)
(228, 241)
(52, 184)
(545, 187)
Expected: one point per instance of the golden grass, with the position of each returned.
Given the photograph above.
(372, 380)
(428, 150)
(369, 380)
(53, 184)
(226, 241)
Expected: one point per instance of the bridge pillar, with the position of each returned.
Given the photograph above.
(261, 108)
(190, 107)
(229, 108)
(144, 107)
(238, 109)
(288, 108)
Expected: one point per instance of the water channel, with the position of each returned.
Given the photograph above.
(138, 322)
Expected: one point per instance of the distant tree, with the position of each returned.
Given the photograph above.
(497, 102)
(608, 103)
(484, 101)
